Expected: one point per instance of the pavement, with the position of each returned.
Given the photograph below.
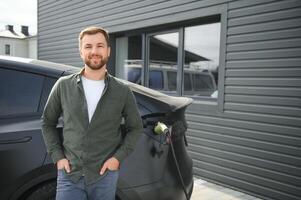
(204, 190)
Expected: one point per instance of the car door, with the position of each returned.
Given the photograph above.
(21, 144)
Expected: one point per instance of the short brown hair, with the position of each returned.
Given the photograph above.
(93, 30)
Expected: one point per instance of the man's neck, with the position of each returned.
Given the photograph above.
(95, 74)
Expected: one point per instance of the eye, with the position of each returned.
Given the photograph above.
(87, 46)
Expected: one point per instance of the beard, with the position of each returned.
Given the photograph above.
(96, 64)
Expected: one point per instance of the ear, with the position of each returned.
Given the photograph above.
(109, 51)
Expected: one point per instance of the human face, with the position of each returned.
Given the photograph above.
(94, 51)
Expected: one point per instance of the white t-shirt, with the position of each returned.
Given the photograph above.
(93, 91)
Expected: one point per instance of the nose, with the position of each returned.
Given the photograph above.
(94, 50)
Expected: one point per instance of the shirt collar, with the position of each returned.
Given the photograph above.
(80, 73)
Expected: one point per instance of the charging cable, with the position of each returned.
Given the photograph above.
(162, 129)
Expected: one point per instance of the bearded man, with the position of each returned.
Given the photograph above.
(92, 104)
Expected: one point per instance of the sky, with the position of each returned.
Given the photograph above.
(17, 13)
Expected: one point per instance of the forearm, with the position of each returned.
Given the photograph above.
(52, 141)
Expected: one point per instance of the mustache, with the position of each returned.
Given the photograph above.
(94, 56)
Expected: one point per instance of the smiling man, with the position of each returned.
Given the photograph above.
(92, 104)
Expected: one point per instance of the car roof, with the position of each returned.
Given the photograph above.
(57, 70)
(35, 66)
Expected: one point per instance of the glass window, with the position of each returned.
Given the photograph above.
(172, 80)
(7, 49)
(187, 82)
(20, 92)
(128, 58)
(134, 74)
(156, 79)
(203, 82)
(163, 57)
(202, 59)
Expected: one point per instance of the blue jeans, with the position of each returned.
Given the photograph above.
(103, 189)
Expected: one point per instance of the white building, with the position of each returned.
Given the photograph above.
(18, 43)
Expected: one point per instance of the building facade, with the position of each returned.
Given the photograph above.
(240, 60)
(20, 44)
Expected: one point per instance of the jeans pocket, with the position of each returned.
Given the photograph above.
(61, 174)
(59, 171)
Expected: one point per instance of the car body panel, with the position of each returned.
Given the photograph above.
(148, 173)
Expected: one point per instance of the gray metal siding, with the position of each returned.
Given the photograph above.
(250, 139)
(60, 22)
(254, 144)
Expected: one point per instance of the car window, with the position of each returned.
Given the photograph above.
(156, 79)
(172, 80)
(47, 86)
(20, 92)
(134, 75)
(202, 82)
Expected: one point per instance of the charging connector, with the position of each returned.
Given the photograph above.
(162, 129)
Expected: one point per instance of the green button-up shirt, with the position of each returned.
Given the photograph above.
(87, 145)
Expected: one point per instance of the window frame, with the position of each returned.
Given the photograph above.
(213, 15)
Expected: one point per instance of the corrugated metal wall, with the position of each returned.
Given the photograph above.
(255, 143)
(59, 22)
(251, 138)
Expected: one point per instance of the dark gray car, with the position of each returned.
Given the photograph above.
(159, 168)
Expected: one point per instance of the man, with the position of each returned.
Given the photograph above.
(92, 104)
